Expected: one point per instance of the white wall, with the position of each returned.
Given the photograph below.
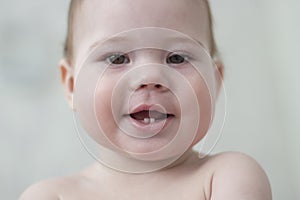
(258, 40)
(284, 33)
(37, 138)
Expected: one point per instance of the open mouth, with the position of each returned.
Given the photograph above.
(150, 116)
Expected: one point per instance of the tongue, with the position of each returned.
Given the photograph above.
(148, 114)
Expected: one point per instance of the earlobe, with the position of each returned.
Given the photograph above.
(219, 74)
(220, 68)
(67, 80)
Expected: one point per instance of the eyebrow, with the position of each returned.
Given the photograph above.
(188, 40)
(118, 39)
(107, 41)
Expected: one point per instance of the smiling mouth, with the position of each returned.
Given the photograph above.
(150, 116)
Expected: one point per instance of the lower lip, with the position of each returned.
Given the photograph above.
(153, 128)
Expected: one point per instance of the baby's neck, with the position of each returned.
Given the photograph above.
(181, 160)
(116, 163)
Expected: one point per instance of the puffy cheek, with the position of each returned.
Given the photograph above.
(103, 110)
(206, 108)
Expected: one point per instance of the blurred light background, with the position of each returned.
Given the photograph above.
(259, 43)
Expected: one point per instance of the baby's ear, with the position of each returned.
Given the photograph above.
(219, 74)
(67, 80)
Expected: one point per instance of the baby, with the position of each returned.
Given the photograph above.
(142, 78)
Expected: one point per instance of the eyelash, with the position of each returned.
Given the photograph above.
(183, 56)
(112, 58)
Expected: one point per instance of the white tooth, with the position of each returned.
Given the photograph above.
(146, 120)
(152, 120)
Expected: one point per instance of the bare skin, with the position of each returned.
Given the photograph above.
(225, 176)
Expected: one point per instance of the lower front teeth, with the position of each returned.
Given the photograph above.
(149, 120)
(152, 120)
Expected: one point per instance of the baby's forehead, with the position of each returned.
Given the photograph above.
(142, 13)
(135, 2)
(165, 9)
(148, 37)
(100, 19)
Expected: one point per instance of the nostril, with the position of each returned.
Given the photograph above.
(158, 86)
(151, 86)
(143, 85)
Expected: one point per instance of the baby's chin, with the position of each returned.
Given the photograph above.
(171, 142)
(123, 152)
(150, 149)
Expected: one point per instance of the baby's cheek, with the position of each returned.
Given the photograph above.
(206, 106)
(103, 110)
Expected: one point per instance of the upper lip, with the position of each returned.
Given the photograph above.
(149, 107)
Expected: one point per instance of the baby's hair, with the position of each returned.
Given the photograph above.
(68, 46)
(73, 8)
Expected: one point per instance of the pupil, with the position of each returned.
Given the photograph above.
(176, 59)
(118, 59)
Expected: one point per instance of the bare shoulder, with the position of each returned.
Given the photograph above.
(238, 176)
(51, 189)
(47, 190)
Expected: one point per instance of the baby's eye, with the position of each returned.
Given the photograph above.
(118, 59)
(176, 58)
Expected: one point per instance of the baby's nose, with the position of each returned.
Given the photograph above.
(153, 86)
(148, 77)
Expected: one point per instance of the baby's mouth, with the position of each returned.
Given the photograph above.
(150, 116)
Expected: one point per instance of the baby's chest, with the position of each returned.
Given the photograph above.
(161, 190)
(196, 193)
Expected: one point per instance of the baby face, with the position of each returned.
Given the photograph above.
(143, 78)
